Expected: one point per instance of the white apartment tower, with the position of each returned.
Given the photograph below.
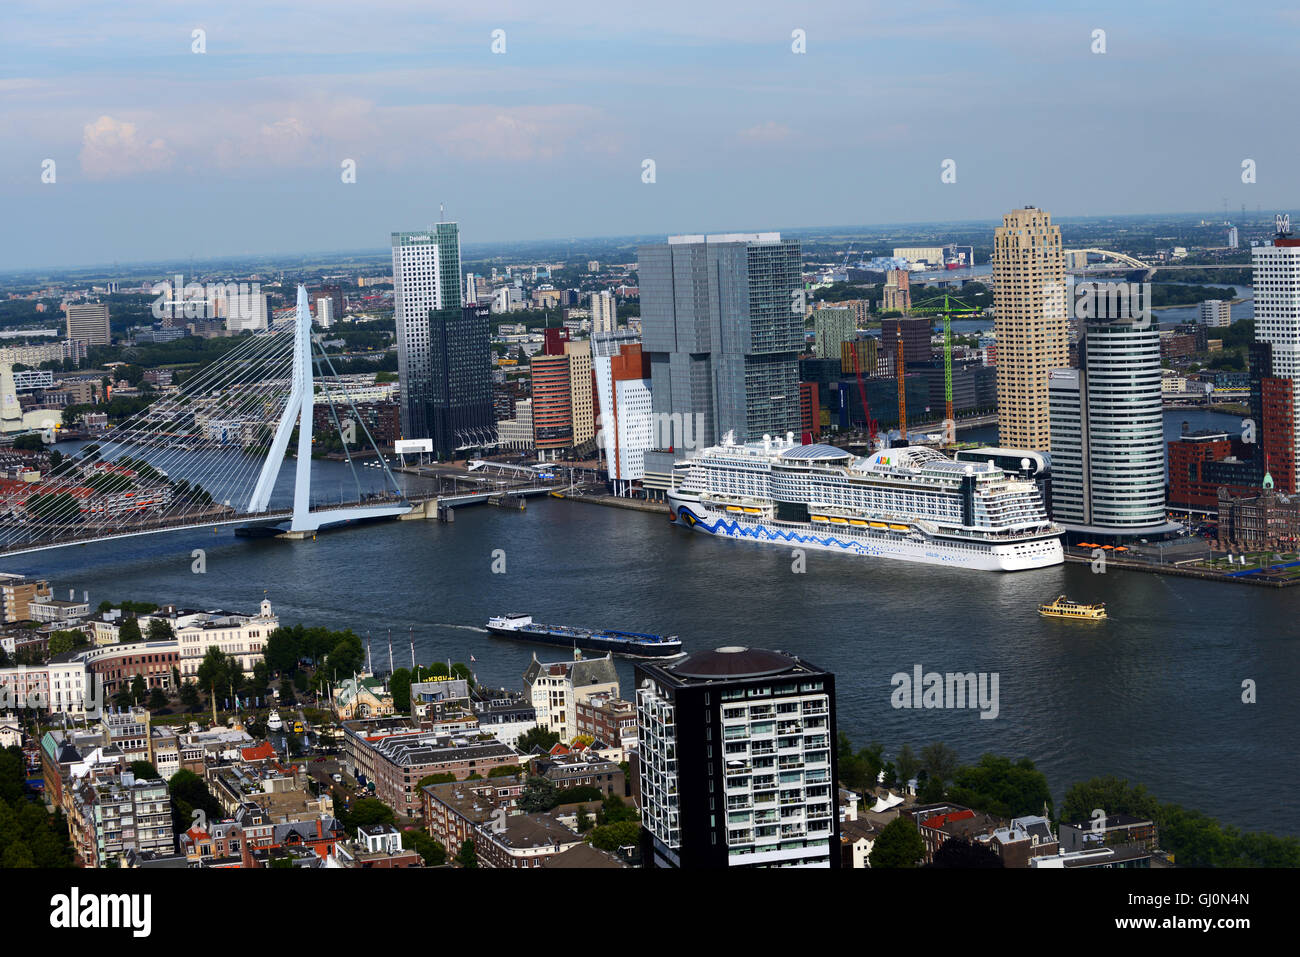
(426, 275)
(1276, 280)
(604, 312)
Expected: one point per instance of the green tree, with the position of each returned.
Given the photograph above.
(157, 700)
(368, 812)
(138, 689)
(538, 795)
(1112, 795)
(129, 630)
(434, 854)
(907, 764)
(144, 771)
(537, 736)
(999, 787)
(190, 696)
(898, 845)
(62, 642)
(939, 761)
(160, 630)
(583, 823)
(610, 837)
(399, 686)
(467, 856)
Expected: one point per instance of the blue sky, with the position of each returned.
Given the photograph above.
(161, 152)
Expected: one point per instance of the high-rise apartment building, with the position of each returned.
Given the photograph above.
(1030, 322)
(604, 312)
(552, 404)
(1215, 313)
(896, 294)
(1107, 432)
(737, 761)
(832, 327)
(623, 395)
(1276, 278)
(426, 276)
(915, 334)
(89, 322)
(581, 397)
(722, 323)
(459, 412)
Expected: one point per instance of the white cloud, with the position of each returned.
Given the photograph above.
(769, 132)
(112, 148)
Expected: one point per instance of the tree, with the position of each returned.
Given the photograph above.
(281, 651)
(467, 856)
(939, 761)
(190, 696)
(366, 812)
(160, 630)
(1110, 794)
(583, 822)
(537, 736)
(29, 442)
(996, 786)
(214, 671)
(538, 795)
(610, 837)
(138, 689)
(144, 771)
(907, 764)
(399, 686)
(445, 777)
(157, 699)
(898, 845)
(189, 793)
(62, 642)
(129, 631)
(614, 810)
(958, 852)
(434, 854)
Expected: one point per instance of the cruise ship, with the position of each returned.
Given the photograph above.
(913, 504)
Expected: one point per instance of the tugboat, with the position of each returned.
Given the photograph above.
(627, 643)
(1062, 607)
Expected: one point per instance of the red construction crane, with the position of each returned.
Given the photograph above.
(902, 390)
(862, 394)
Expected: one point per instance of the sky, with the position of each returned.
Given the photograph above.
(160, 152)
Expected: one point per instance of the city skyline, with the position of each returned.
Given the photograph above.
(543, 140)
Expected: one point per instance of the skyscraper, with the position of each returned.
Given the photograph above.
(604, 312)
(89, 322)
(459, 411)
(737, 761)
(426, 276)
(1276, 277)
(832, 327)
(552, 404)
(580, 391)
(1107, 436)
(1029, 322)
(722, 323)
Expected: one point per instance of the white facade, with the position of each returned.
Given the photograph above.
(1215, 312)
(1108, 470)
(242, 636)
(1276, 281)
(604, 311)
(244, 310)
(517, 433)
(418, 287)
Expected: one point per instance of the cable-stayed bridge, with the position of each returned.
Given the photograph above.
(206, 455)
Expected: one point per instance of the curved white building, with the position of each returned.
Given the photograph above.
(1108, 451)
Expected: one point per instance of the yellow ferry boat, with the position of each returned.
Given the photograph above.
(1062, 607)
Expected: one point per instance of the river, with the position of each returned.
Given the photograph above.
(1152, 695)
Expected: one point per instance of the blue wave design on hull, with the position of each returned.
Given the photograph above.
(763, 533)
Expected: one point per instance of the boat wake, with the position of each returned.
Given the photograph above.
(443, 624)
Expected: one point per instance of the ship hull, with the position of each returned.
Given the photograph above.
(592, 641)
(1024, 555)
